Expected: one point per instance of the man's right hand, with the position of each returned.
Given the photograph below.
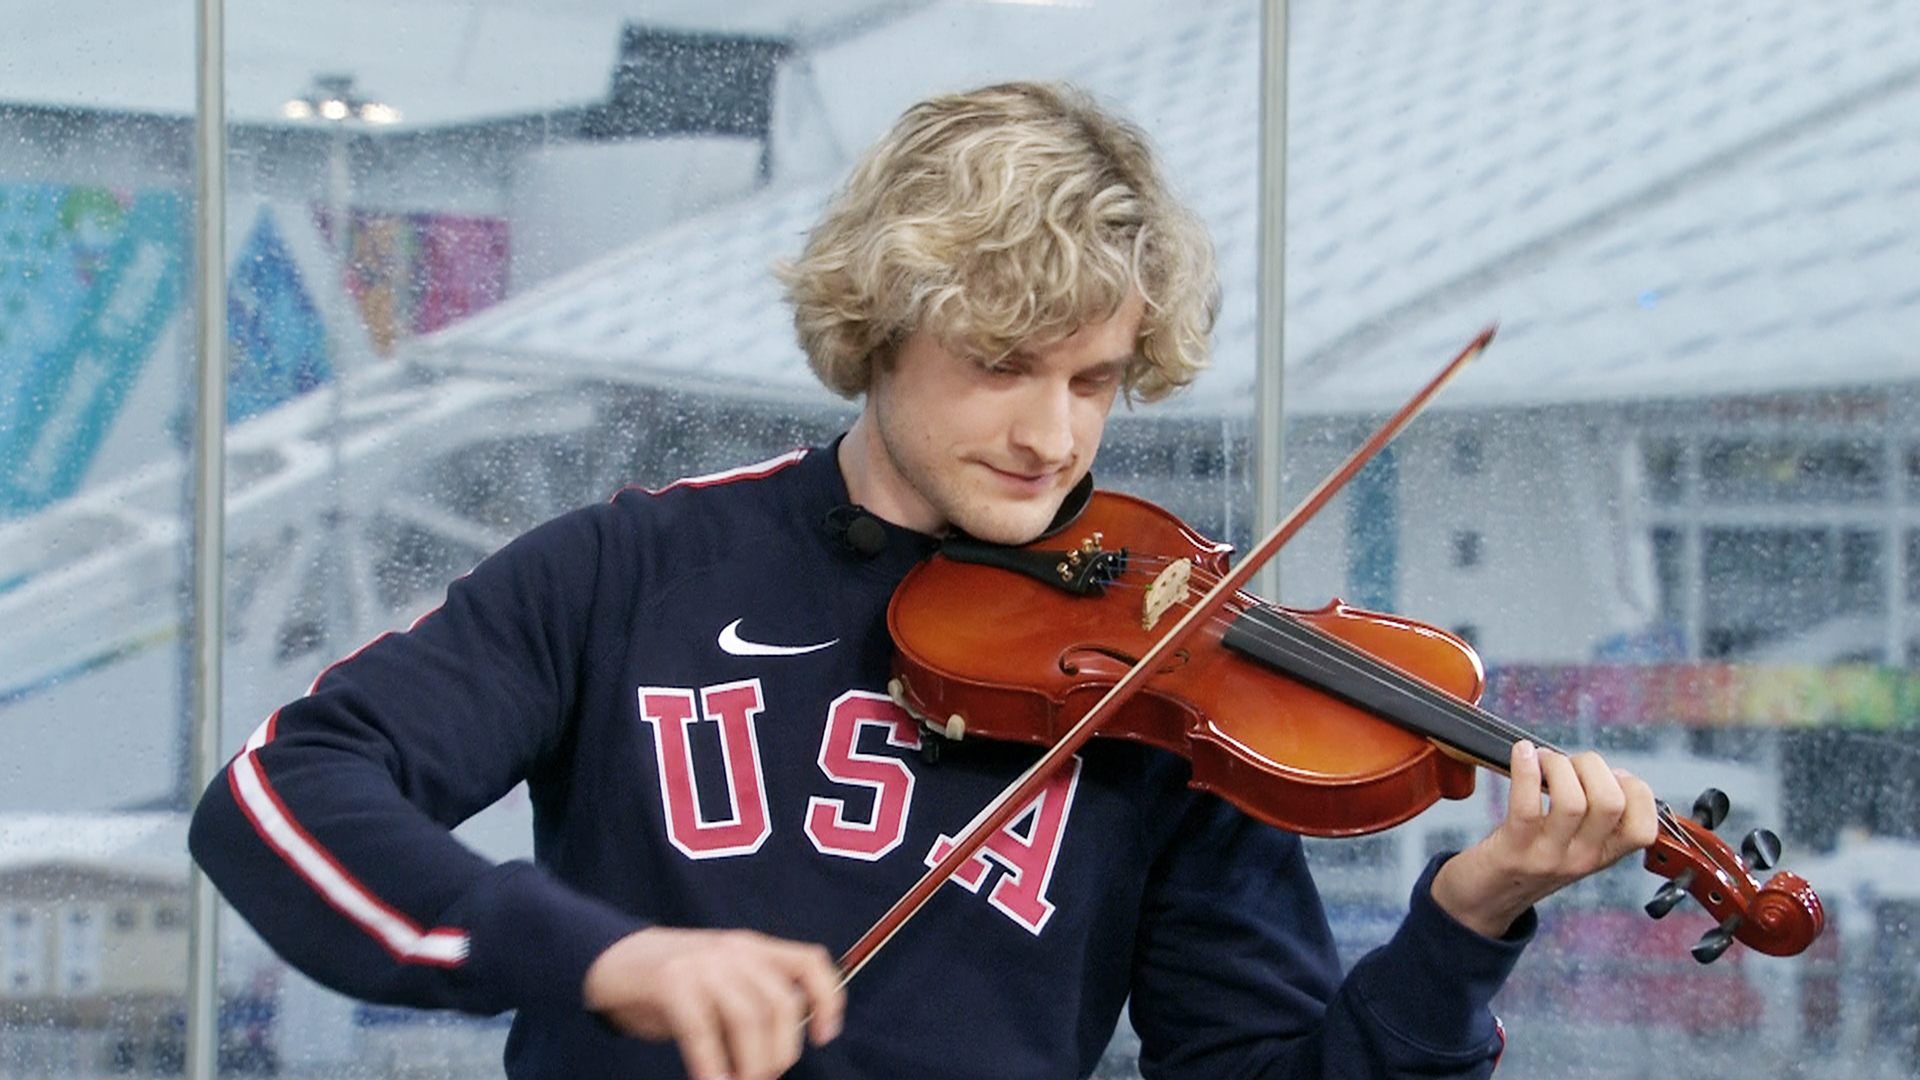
(735, 1001)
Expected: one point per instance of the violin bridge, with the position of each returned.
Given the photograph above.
(1168, 589)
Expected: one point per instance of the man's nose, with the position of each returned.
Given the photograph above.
(1043, 426)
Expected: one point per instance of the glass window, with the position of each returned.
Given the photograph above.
(1690, 488)
(96, 212)
(533, 246)
(487, 263)
(1913, 566)
(1469, 452)
(1759, 583)
(1788, 470)
(1669, 555)
(1466, 549)
(1666, 465)
(1862, 574)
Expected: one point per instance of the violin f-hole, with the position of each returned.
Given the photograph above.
(1102, 663)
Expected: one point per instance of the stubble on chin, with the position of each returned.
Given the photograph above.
(959, 492)
(1005, 521)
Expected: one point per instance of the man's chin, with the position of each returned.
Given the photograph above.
(1010, 525)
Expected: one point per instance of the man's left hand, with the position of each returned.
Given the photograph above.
(1567, 817)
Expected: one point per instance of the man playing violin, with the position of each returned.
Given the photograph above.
(693, 685)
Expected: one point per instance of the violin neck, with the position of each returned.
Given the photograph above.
(1290, 647)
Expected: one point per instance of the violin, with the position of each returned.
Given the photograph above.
(1334, 722)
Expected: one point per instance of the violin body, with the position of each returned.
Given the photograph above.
(1027, 660)
(1335, 722)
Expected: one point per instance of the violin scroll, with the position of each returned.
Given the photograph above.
(1779, 918)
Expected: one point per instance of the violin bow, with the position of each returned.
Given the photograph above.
(1011, 801)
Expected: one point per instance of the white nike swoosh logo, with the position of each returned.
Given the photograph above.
(734, 645)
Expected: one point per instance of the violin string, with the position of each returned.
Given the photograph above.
(1462, 711)
(1323, 646)
(1284, 634)
(1228, 614)
(1686, 838)
(1280, 630)
(1465, 712)
(1281, 626)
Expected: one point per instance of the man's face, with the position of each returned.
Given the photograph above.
(991, 448)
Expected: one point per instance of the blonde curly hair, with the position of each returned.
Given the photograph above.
(1005, 217)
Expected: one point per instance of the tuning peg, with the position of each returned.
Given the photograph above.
(1715, 941)
(1667, 898)
(1710, 809)
(1760, 850)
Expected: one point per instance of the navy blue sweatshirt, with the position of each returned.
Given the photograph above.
(692, 683)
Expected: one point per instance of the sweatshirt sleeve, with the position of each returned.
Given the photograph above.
(330, 830)
(1236, 973)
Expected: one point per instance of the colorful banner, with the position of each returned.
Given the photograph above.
(415, 273)
(277, 337)
(88, 279)
(1706, 695)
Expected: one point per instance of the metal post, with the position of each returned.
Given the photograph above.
(350, 598)
(339, 550)
(1271, 305)
(1892, 558)
(209, 513)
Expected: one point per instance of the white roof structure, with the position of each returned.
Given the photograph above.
(1731, 210)
(1655, 201)
(438, 61)
(152, 843)
(695, 308)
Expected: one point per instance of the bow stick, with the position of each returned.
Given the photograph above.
(1011, 801)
